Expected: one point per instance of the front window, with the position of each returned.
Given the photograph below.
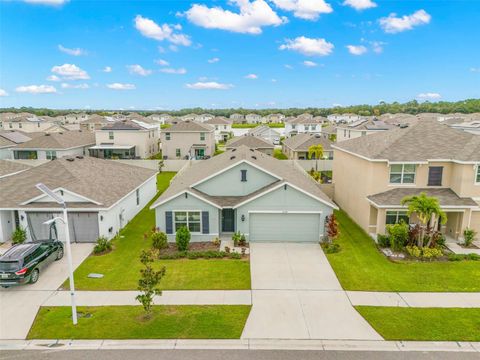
(477, 177)
(402, 174)
(19, 125)
(110, 135)
(177, 153)
(190, 219)
(167, 136)
(394, 217)
(202, 136)
(51, 155)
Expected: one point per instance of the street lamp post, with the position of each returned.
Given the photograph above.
(43, 188)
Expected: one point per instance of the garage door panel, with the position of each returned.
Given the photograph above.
(286, 227)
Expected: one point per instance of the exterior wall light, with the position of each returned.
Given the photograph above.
(242, 218)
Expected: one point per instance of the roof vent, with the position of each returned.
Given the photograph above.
(47, 134)
(403, 126)
(79, 156)
(234, 149)
(317, 136)
(232, 157)
(254, 157)
(70, 159)
(251, 150)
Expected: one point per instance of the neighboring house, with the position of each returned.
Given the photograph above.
(162, 119)
(237, 118)
(472, 127)
(361, 127)
(253, 118)
(188, 140)
(94, 122)
(345, 118)
(304, 124)
(126, 139)
(223, 127)
(74, 118)
(296, 147)
(9, 167)
(101, 197)
(246, 191)
(188, 117)
(9, 140)
(372, 174)
(266, 133)
(274, 118)
(252, 142)
(203, 117)
(55, 145)
(29, 123)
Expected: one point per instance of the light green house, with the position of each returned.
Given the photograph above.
(244, 190)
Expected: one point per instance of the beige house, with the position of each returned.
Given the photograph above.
(126, 139)
(361, 127)
(296, 147)
(253, 142)
(188, 140)
(94, 122)
(223, 127)
(372, 174)
(29, 123)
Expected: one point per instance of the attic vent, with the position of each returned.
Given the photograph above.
(232, 157)
(251, 150)
(70, 159)
(233, 150)
(79, 156)
(254, 157)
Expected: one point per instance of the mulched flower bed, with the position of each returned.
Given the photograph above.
(194, 246)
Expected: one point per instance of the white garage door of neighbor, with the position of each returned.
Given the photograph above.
(286, 227)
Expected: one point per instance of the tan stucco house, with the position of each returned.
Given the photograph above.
(188, 140)
(296, 147)
(361, 127)
(372, 174)
(252, 142)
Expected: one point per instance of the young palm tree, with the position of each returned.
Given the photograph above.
(428, 211)
(315, 152)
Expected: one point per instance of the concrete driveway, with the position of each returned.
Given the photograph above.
(19, 304)
(296, 295)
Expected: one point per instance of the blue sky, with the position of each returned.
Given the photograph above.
(215, 54)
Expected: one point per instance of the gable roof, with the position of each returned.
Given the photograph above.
(303, 141)
(366, 124)
(102, 181)
(426, 140)
(285, 171)
(190, 126)
(303, 119)
(127, 124)
(253, 142)
(15, 137)
(11, 167)
(218, 120)
(262, 129)
(60, 140)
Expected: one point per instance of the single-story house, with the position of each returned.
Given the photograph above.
(252, 142)
(247, 191)
(266, 133)
(102, 196)
(296, 147)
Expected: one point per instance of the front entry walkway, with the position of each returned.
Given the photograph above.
(296, 295)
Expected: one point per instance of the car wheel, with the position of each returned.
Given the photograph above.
(59, 254)
(34, 276)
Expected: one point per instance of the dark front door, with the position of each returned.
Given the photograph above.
(228, 220)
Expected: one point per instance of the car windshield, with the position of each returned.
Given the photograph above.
(9, 265)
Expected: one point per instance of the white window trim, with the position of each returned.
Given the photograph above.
(397, 215)
(187, 211)
(402, 175)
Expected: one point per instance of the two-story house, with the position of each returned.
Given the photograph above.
(252, 142)
(223, 127)
(126, 139)
(188, 140)
(253, 118)
(30, 123)
(237, 118)
(275, 118)
(247, 191)
(372, 174)
(361, 127)
(304, 124)
(344, 118)
(94, 122)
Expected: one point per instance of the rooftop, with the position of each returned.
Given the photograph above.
(11, 167)
(59, 140)
(302, 142)
(190, 126)
(252, 142)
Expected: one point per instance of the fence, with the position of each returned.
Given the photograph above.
(168, 165)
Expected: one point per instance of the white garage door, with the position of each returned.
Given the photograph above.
(288, 227)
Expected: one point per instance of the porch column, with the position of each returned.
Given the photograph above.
(381, 219)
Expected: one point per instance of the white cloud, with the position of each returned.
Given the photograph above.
(3, 93)
(47, 2)
(308, 46)
(162, 62)
(151, 29)
(179, 71)
(309, 63)
(213, 60)
(251, 76)
(250, 20)
(474, 69)
(273, 80)
(70, 72)
(74, 52)
(305, 9)
(209, 85)
(53, 78)
(107, 69)
(356, 49)
(71, 86)
(36, 89)
(377, 46)
(429, 96)
(360, 4)
(139, 70)
(120, 86)
(393, 24)
(289, 67)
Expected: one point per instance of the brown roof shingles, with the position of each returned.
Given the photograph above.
(60, 140)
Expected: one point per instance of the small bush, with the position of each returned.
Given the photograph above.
(216, 241)
(235, 256)
(473, 256)
(242, 241)
(469, 236)
(236, 237)
(398, 235)
(19, 236)
(414, 251)
(330, 248)
(159, 240)
(383, 240)
(183, 238)
(456, 257)
(431, 253)
(103, 245)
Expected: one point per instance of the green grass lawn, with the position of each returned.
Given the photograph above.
(121, 267)
(278, 154)
(127, 322)
(424, 324)
(360, 266)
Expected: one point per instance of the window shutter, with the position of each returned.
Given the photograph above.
(168, 222)
(435, 175)
(205, 223)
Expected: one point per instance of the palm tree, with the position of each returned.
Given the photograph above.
(428, 211)
(315, 152)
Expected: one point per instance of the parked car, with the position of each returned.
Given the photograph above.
(23, 263)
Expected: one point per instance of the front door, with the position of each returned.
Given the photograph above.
(228, 220)
(199, 153)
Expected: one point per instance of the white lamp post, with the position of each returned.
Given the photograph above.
(58, 199)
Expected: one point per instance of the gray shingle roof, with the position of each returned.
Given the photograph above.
(287, 171)
(367, 124)
(15, 136)
(123, 125)
(253, 142)
(60, 140)
(218, 120)
(446, 197)
(11, 167)
(426, 140)
(263, 129)
(302, 142)
(187, 126)
(103, 181)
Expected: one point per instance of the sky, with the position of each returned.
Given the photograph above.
(161, 55)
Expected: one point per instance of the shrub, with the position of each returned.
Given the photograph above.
(398, 235)
(103, 245)
(439, 239)
(19, 236)
(183, 238)
(236, 237)
(456, 257)
(330, 248)
(431, 253)
(473, 256)
(235, 255)
(414, 251)
(332, 228)
(159, 240)
(216, 241)
(383, 240)
(242, 241)
(469, 236)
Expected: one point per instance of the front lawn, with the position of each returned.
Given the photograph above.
(127, 322)
(278, 154)
(360, 266)
(424, 324)
(121, 267)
